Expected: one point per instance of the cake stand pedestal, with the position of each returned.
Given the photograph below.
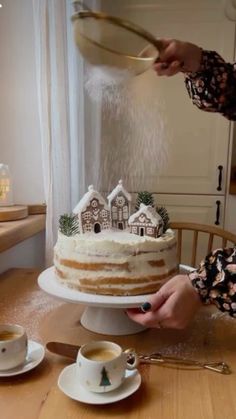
(104, 314)
(109, 321)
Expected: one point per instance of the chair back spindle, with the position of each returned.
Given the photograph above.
(198, 230)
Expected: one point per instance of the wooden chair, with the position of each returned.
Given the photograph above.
(211, 232)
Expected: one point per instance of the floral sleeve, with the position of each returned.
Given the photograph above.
(215, 280)
(213, 87)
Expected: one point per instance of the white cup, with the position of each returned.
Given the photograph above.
(101, 365)
(13, 346)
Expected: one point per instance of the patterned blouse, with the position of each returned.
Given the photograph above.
(213, 89)
(215, 279)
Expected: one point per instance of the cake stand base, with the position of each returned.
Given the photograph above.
(109, 321)
(103, 314)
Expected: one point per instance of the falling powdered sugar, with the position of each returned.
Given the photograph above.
(133, 129)
(99, 80)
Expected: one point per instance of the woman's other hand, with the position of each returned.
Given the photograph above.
(173, 306)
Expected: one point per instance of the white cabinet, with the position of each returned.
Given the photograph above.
(203, 209)
(198, 142)
(193, 208)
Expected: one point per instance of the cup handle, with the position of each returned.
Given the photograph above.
(132, 359)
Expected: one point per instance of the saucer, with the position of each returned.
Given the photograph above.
(69, 385)
(35, 355)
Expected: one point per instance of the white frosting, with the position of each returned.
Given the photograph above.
(118, 248)
(112, 243)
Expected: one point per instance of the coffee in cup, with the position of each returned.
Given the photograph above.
(13, 346)
(101, 365)
(7, 335)
(101, 354)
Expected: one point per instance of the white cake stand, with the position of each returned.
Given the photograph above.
(105, 313)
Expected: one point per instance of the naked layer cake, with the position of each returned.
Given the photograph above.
(111, 251)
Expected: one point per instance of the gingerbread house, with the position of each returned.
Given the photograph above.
(119, 204)
(93, 212)
(146, 222)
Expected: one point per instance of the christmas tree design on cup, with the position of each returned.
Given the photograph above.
(104, 380)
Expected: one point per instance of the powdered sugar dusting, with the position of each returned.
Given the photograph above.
(134, 130)
(202, 333)
(30, 310)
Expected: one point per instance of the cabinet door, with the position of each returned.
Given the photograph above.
(191, 208)
(201, 209)
(197, 142)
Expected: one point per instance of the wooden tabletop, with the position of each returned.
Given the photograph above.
(165, 393)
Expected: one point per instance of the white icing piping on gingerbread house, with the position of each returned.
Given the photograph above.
(94, 215)
(146, 221)
(119, 204)
(119, 188)
(90, 214)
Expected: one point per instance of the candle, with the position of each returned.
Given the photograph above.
(6, 197)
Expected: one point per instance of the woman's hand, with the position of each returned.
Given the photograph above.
(176, 56)
(173, 306)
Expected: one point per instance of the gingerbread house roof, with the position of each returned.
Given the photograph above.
(87, 198)
(115, 192)
(150, 212)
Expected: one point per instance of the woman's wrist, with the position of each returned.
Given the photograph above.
(194, 64)
(199, 285)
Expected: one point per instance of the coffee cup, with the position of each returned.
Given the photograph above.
(101, 365)
(13, 346)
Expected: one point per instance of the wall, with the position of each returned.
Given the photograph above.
(19, 129)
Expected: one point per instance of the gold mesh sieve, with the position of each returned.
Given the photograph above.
(105, 40)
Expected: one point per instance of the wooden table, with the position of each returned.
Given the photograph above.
(165, 393)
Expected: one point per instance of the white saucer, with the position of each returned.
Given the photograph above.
(35, 355)
(69, 385)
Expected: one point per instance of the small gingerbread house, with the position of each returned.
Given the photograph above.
(93, 212)
(119, 204)
(146, 222)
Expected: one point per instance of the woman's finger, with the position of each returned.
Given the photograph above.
(167, 69)
(149, 319)
(155, 301)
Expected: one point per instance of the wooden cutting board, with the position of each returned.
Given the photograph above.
(14, 212)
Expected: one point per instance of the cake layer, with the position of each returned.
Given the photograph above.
(115, 262)
(116, 286)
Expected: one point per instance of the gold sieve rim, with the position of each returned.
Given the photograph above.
(121, 23)
(133, 57)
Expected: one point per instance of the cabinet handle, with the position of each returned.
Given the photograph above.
(217, 222)
(220, 168)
